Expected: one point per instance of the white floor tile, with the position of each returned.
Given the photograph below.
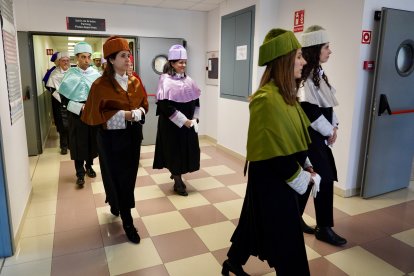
(32, 249)
(38, 226)
(206, 183)
(200, 265)
(41, 268)
(218, 170)
(216, 236)
(406, 237)
(231, 209)
(194, 199)
(358, 261)
(126, 257)
(165, 223)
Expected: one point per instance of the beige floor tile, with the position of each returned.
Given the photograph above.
(406, 237)
(205, 183)
(239, 189)
(127, 257)
(98, 187)
(204, 156)
(145, 149)
(32, 249)
(218, 170)
(32, 164)
(312, 254)
(309, 220)
(205, 143)
(41, 194)
(358, 261)
(38, 226)
(194, 199)
(209, 234)
(146, 162)
(142, 172)
(161, 178)
(41, 267)
(42, 208)
(105, 216)
(231, 209)
(148, 192)
(200, 265)
(354, 205)
(165, 223)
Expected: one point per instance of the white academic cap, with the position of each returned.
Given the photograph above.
(82, 47)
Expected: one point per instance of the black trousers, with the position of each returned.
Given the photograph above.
(80, 170)
(323, 203)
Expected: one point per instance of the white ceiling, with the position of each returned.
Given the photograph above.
(191, 5)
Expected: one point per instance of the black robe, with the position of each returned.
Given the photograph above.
(269, 225)
(176, 149)
(82, 138)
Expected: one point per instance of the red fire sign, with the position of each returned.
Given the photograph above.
(299, 21)
(366, 37)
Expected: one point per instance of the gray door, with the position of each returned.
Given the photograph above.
(390, 143)
(30, 99)
(151, 52)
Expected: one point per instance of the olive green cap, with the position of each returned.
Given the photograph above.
(278, 42)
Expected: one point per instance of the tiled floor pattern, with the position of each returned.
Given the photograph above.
(70, 231)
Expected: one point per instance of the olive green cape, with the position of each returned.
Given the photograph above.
(275, 128)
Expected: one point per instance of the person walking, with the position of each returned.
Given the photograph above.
(317, 97)
(117, 105)
(178, 106)
(277, 142)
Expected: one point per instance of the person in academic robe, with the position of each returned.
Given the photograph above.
(117, 105)
(59, 113)
(97, 62)
(74, 91)
(178, 106)
(278, 167)
(317, 98)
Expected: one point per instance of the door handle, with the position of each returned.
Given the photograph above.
(27, 94)
(383, 105)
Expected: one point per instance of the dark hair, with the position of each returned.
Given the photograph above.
(312, 56)
(281, 71)
(169, 69)
(109, 69)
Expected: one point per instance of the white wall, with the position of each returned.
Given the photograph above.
(232, 120)
(15, 153)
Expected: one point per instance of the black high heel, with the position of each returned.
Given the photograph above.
(236, 269)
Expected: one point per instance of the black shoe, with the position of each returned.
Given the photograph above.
(230, 267)
(114, 211)
(180, 190)
(132, 233)
(80, 181)
(63, 151)
(306, 228)
(326, 234)
(180, 180)
(91, 173)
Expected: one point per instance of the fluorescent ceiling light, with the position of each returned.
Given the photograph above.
(71, 43)
(71, 47)
(75, 38)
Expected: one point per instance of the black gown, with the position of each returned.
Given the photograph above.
(269, 225)
(177, 149)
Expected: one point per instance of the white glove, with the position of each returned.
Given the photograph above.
(136, 115)
(194, 124)
(316, 182)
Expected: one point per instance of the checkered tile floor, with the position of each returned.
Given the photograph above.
(70, 231)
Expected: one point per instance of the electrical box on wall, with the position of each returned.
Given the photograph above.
(212, 59)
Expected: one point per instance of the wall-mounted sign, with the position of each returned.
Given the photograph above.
(88, 24)
(49, 52)
(366, 37)
(299, 21)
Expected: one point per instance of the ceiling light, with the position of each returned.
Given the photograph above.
(71, 43)
(75, 38)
